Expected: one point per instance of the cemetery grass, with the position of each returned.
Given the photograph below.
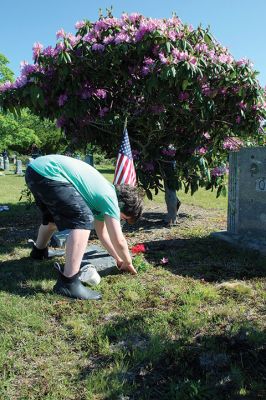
(192, 328)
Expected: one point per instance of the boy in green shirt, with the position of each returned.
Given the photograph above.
(73, 195)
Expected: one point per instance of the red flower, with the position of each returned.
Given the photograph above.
(139, 248)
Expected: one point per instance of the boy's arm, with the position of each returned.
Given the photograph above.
(119, 244)
(103, 236)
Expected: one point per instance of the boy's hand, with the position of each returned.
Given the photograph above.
(126, 267)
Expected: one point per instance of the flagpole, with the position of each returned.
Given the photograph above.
(125, 124)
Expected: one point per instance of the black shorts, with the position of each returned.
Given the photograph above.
(59, 202)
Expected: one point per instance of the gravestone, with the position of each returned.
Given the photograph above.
(6, 164)
(29, 160)
(100, 259)
(89, 159)
(94, 255)
(246, 218)
(1, 163)
(14, 159)
(59, 238)
(19, 167)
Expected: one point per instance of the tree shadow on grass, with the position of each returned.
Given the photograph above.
(19, 214)
(15, 276)
(229, 365)
(206, 258)
(152, 221)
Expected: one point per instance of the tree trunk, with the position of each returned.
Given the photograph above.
(172, 204)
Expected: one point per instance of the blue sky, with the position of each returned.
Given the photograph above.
(237, 24)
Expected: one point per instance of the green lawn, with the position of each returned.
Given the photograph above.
(192, 329)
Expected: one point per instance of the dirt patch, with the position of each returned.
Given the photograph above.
(152, 225)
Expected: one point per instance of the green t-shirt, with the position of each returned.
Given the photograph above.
(98, 193)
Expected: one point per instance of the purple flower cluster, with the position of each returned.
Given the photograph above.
(183, 96)
(232, 144)
(157, 109)
(100, 93)
(26, 69)
(61, 122)
(135, 154)
(148, 166)
(49, 51)
(242, 62)
(169, 151)
(37, 49)
(163, 58)
(6, 86)
(179, 56)
(60, 34)
(201, 47)
(146, 26)
(73, 40)
(206, 90)
(206, 135)
(148, 64)
(242, 105)
(98, 47)
(86, 92)
(133, 28)
(122, 37)
(201, 150)
(103, 111)
(80, 24)
(219, 171)
(19, 82)
(62, 99)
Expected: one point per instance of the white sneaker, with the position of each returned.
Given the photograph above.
(88, 274)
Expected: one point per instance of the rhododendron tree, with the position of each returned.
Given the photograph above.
(186, 100)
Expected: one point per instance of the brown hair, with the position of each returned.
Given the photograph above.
(130, 201)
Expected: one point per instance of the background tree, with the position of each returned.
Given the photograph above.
(18, 133)
(6, 74)
(186, 99)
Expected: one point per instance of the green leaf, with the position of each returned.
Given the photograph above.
(149, 194)
(208, 39)
(194, 187)
(168, 47)
(173, 71)
(185, 84)
(219, 191)
(68, 57)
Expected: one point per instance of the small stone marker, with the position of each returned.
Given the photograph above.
(6, 164)
(19, 168)
(1, 162)
(246, 219)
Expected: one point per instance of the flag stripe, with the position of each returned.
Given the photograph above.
(125, 171)
(120, 169)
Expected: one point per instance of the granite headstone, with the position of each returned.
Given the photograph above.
(94, 255)
(6, 164)
(246, 218)
(19, 167)
(89, 159)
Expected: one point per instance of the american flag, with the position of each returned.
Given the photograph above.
(125, 171)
